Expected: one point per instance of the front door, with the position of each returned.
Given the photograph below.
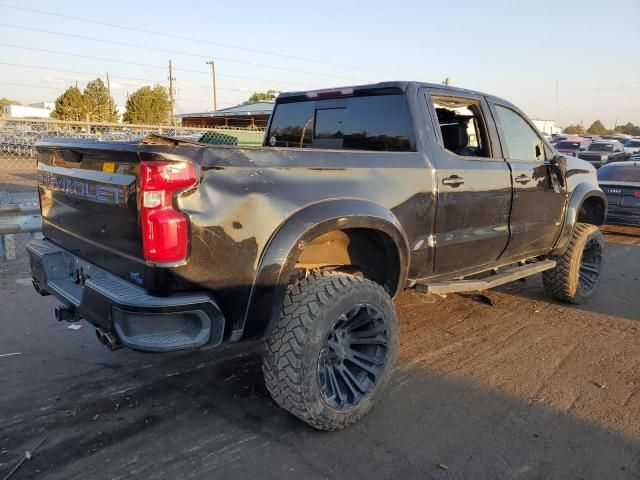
(474, 183)
(538, 202)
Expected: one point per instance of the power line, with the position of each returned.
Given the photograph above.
(192, 39)
(49, 87)
(116, 75)
(175, 52)
(147, 65)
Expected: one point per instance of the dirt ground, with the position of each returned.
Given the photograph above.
(527, 388)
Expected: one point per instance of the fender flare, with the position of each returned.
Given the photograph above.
(278, 258)
(581, 193)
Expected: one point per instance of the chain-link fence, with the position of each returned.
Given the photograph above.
(18, 190)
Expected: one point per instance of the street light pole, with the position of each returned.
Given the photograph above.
(213, 82)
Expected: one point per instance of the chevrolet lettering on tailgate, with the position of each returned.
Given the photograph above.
(81, 188)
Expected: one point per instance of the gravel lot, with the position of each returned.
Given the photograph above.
(528, 388)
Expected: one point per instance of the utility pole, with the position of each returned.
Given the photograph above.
(108, 86)
(213, 81)
(171, 79)
(557, 102)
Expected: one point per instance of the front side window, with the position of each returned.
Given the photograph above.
(523, 142)
(461, 125)
(376, 123)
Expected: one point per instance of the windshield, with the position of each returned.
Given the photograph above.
(600, 147)
(568, 145)
(619, 173)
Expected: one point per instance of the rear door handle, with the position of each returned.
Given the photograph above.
(453, 180)
(523, 179)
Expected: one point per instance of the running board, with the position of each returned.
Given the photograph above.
(506, 276)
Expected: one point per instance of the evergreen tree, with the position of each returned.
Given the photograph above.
(597, 128)
(574, 129)
(70, 106)
(100, 106)
(148, 105)
(261, 96)
(4, 101)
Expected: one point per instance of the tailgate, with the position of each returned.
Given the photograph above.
(88, 198)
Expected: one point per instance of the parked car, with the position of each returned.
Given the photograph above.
(357, 194)
(572, 146)
(601, 152)
(620, 182)
(559, 138)
(622, 138)
(632, 146)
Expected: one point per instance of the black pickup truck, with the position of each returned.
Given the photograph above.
(356, 194)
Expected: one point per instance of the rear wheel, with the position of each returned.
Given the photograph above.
(333, 349)
(575, 277)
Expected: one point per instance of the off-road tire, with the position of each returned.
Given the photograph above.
(291, 361)
(563, 282)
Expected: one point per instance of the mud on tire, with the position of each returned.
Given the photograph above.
(575, 277)
(333, 349)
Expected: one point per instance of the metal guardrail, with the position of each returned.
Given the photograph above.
(16, 220)
(20, 219)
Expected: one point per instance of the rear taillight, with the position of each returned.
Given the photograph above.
(165, 232)
(636, 194)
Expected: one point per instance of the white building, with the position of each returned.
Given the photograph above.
(21, 111)
(546, 126)
(42, 110)
(46, 105)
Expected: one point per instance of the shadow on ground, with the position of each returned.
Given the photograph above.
(618, 291)
(209, 416)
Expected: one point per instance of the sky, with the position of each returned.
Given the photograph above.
(515, 50)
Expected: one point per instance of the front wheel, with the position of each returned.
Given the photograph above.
(333, 349)
(575, 277)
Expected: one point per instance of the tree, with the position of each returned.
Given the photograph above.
(70, 105)
(262, 96)
(149, 105)
(576, 129)
(100, 106)
(629, 129)
(597, 128)
(4, 101)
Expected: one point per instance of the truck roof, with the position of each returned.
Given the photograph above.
(372, 87)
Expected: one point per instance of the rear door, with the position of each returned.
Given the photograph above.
(474, 183)
(538, 208)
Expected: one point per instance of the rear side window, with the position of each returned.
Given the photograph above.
(378, 123)
(461, 126)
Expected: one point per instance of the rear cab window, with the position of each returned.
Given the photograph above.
(619, 173)
(376, 122)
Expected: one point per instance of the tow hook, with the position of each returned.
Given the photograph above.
(108, 339)
(66, 314)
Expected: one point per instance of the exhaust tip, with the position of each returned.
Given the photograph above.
(108, 339)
